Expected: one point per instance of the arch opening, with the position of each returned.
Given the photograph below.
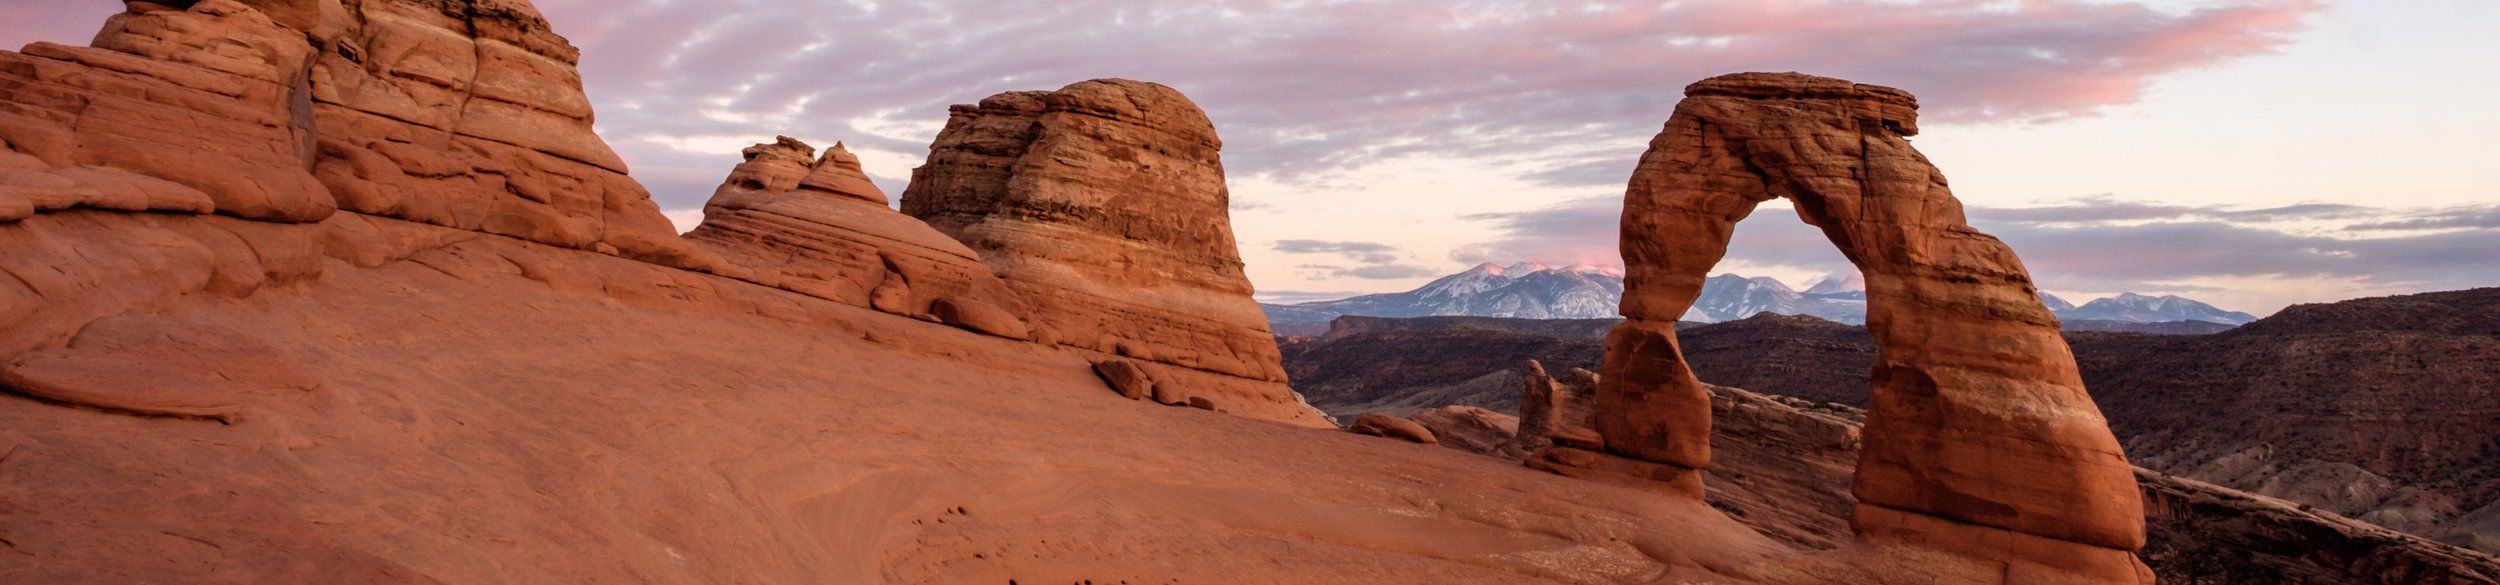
(1980, 437)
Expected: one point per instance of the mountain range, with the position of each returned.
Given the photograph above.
(1530, 290)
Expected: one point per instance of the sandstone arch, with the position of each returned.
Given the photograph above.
(1980, 437)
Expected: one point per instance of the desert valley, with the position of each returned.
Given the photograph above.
(350, 291)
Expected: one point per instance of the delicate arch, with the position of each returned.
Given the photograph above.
(1979, 423)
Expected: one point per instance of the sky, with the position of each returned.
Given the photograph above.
(2250, 153)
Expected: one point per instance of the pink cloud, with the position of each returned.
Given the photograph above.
(68, 23)
(1308, 88)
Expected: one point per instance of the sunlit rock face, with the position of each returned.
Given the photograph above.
(1980, 438)
(264, 135)
(1103, 203)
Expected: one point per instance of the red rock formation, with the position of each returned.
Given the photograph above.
(1469, 428)
(1981, 439)
(839, 173)
(1125, 377)
(1389, 426)
(1104, 205)
(464, 114)
(468, 114)
(1581, 410)
(220, 80)
(788, 219)
(1542, 406)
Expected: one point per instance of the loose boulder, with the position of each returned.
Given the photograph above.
(1383, 425)
(1125, 377)
(1469, 428)
(977, 315)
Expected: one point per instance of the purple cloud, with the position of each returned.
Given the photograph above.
(1377, 261)
(2104, 208)
(2098, 243)
(2470, 216)
(1305, 89)
(1302, 89)
(1365, 252)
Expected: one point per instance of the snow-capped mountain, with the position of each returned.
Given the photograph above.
(1847, 285)
(1525, 290)
(2056, 305)
(1529, 290)
(2138, 308)
(1728, 297)
(1534, 291)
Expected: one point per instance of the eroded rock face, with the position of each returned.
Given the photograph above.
(1469, 428)
(209, 100)
(469, 114)
(1103, 204)
(1542, 406)
(789, 219)
(237, 124)
(1981, 439)
(462, 113)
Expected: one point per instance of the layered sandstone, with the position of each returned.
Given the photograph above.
(1980, 437)
(1104, 205)
(209, 103)
(247, 127)
(465, 114)
(790, 219)
(469, 114)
